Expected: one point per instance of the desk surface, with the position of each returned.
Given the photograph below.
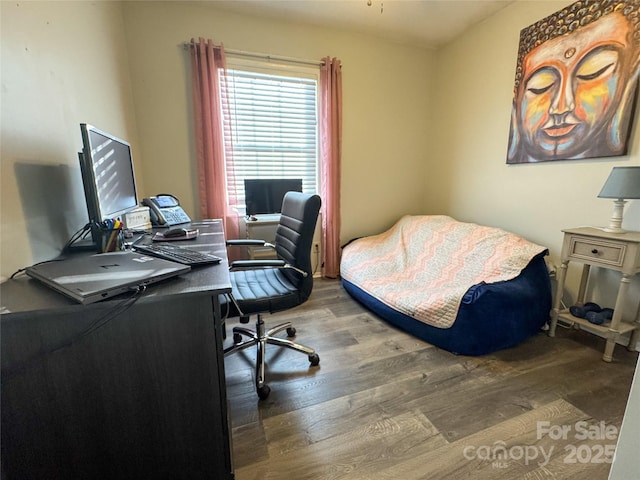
(24, 294)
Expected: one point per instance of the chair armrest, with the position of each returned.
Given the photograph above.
(239, 242)
(249, 264)
(258, 264)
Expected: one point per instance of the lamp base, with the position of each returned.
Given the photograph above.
(615, 223)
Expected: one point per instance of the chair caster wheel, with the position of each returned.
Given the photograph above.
(314, 359)
(291, 332)
(263, 392)
(237, 338)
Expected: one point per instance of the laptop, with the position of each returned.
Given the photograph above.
(88, 279)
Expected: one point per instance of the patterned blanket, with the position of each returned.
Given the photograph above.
(423, 265)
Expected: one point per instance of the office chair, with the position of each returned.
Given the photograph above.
(261, 286)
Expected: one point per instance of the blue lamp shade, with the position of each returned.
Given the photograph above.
(623, 183)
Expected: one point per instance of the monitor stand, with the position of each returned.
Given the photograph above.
(84, 245)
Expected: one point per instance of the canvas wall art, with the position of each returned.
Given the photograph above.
(576, 83)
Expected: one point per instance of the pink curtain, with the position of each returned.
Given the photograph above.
(207, 61)
(330, 155)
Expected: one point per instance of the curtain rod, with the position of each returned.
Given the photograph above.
(267, 56)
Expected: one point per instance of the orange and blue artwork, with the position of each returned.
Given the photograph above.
(576, 83)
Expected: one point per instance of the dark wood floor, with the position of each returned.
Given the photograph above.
(384, 405)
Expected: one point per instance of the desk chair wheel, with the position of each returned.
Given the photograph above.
(237, 338)
(314, 359)
(291, 332)
(263, 392)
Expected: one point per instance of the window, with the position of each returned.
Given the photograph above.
(272, 125)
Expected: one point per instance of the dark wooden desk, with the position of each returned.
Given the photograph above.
(141, 397)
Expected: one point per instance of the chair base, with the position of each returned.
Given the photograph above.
(260, 338)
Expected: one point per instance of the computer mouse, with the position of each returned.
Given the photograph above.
(175, 232)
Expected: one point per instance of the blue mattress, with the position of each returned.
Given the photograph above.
(491, 317)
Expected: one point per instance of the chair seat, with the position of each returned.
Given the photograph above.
(264, 290)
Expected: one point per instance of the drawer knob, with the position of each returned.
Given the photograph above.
(594, 251)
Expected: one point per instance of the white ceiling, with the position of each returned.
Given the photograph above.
(427, 23)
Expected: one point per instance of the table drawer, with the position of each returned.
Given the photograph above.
(597, 251)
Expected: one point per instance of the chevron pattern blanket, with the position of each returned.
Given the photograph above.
(423, 265)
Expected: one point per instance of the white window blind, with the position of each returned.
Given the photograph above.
(273, 127)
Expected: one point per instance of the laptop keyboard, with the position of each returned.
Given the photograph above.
(178, 254)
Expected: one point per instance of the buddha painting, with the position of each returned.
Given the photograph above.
(576, 83)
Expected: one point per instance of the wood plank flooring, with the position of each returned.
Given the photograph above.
(385, 405)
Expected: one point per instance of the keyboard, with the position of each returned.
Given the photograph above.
(178, 254)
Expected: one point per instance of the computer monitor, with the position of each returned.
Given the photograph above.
(109, 184)
(107, 173)
(265, 195)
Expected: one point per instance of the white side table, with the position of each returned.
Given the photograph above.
(615, 251)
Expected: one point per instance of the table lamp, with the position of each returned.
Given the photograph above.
(623, 183)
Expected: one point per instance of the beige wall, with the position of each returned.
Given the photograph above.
(62, 63)
(468, 176)
(387, 104)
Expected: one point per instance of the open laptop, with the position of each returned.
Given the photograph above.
(88, 279)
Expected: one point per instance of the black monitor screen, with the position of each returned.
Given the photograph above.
(107, 169)
(265, 195)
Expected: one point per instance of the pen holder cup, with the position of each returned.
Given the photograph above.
(110, 240)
